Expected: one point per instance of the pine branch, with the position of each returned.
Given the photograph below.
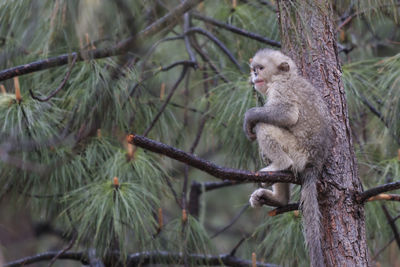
(209, 167)
(377, 190)
(236, 30)
(169, 19)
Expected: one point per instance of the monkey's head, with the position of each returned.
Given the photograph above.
(268, 64)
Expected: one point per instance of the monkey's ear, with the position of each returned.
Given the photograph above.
(284, 66)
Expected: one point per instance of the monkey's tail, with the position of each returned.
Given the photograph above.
(311, 215)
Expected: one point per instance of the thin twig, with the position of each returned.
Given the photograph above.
(382, 249)
(209, 167)
(186, 63)
(61, 86)
(61, 252)
(186, 26)
(171, 93)
(234, 220)
(379, 115)
(173, 192)
(392, 225)
(207, 59)
(237, 30)
(217, 42)
(235, 248)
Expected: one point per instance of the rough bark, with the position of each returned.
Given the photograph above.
(309, 37)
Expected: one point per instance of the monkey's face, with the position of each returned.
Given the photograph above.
(265, 65)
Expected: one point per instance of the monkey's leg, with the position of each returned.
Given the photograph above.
(273, 143)
(279, 195)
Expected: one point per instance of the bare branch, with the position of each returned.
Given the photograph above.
(209, 167)
(377, 190)
(61, 252)
(77, 256)
(217, 42)
(207, 59)
(173, 89)
(283, 209)
(379, 115)
(63, 83)
(186, 26)
(235, 248)
(392, 225)
(391, 197)
(236, 30)
(235, 219)
(187, 63)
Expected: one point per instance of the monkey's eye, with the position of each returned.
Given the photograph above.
(261, 67)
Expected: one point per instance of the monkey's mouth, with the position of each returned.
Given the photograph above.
(258, 82)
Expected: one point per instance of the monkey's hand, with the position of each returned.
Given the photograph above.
(250, 121)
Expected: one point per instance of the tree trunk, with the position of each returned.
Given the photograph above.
(309, 37)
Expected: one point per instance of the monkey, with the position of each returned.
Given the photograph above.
(294, 132)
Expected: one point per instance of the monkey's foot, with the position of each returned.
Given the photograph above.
(263, 197)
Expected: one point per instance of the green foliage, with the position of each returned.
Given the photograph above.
(107, 215)
(278, 233)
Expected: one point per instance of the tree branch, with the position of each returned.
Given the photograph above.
(166, 100)
(236, 30)
(61, 86)
(283, 209)
(217, 42)
(77, 256)
(392, 225)
(209, 167)
(379, 115)
(207, 59)
(232, 222)
(391, 197)
(120, 48)
(144, 258)
(376, 191)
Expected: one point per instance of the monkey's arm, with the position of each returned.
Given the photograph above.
(281, 115)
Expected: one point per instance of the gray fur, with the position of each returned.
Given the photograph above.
(294, 132)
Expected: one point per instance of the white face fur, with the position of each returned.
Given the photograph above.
(267, 63)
